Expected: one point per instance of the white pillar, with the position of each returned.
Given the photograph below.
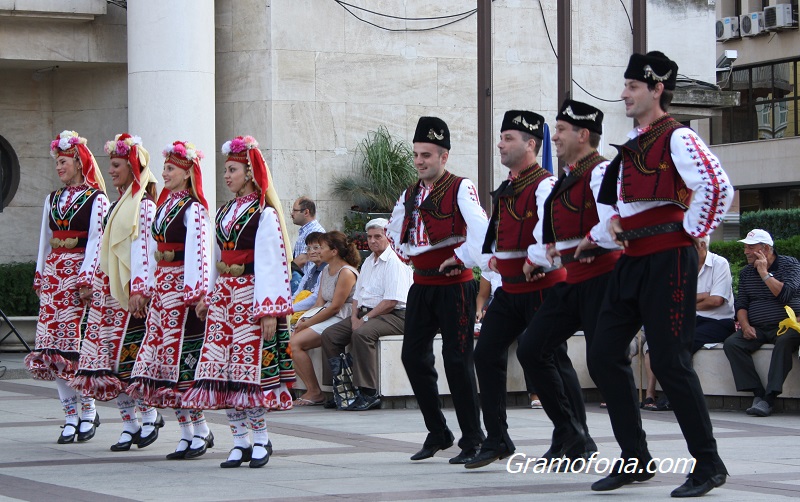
(171, 80)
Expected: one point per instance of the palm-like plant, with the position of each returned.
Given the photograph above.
(385, 168)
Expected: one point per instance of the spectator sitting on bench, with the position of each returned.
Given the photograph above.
(306, 295)
(767, 284)
(714, 322)
(379, 309)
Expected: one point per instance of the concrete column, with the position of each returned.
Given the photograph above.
(171, 79)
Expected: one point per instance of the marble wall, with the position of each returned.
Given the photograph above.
(309, 80)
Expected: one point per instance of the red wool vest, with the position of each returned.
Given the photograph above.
(649, 173)
(439, 211)
(514, 210)
(571, 208)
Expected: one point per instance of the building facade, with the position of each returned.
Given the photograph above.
(307, 78)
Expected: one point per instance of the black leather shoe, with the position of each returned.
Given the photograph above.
(86, 436)
(486, 457)
(429, 451)
(67, 438)
(179, 455)
(126, 445)
(247, 454)
(694, 488)
(208, 442)
(146, 441)
(620, 479)
(465, 456)
(255, 463)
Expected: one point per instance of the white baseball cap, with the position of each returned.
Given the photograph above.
(758, 236)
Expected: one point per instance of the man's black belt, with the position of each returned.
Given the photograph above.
(518, 279)
(429, 272)
(586, 253)
(638, 233)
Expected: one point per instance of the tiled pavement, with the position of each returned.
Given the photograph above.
(322, 454)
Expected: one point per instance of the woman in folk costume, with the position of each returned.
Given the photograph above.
(123, 287)
(245, 356)
(167, 359)
(69, 248)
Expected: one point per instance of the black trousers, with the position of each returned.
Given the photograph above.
(567, 309)
(506, 319)
(450, 309)
(740, 354)
(657, 291)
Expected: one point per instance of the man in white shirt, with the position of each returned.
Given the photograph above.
(714, 298)
(379, 309)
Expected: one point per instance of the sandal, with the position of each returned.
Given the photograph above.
(649, 404)
(301, 401)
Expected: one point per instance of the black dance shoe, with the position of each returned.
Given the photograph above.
(619, 479)
(465, 456)
(694, 488)
(146, 441)
(179, 455)
(486, 457)
(126, 445)
(86, 436)
(69, 438)
(247, 454)
(255, 463)
(208, 442)
(429, 451)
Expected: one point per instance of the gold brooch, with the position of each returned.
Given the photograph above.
(235, 270)
(649, 73)
(68, 243)
(520, 120)
(569, 113)
(432, 135)
(165, 255)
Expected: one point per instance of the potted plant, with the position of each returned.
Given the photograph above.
(384, 167)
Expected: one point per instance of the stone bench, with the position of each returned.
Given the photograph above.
(711, 365)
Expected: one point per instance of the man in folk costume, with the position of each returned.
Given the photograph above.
(123, 287)
(513, 238)
(167, 359)
(245, 363)
(668, 189)
(69, 250)
(438, 224)
(572, 218)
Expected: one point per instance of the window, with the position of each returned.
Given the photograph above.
(768, 103)
(9, 173)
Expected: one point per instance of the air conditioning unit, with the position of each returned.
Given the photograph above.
(751, 24)
(727, 28)
(778, 16)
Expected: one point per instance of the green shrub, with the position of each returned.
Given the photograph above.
(780, 223)
(17, 297)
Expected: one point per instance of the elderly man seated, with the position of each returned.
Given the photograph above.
(379, 304)
(767, 284)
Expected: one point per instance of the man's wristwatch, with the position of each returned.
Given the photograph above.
(365, 318)
(767, 276)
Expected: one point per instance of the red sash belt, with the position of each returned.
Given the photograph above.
(69, 241)
(511, 272)
(656, 243)
(170, 254)
(432, 260)
(579, 272)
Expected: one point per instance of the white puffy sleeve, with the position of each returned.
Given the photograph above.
(712, 192)
(395, 227)
(143, 262)
(477, 223)
(273, 295)
(537, 252)
(45, 234)
(197, 253)
(599, 232)
(91, 257)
